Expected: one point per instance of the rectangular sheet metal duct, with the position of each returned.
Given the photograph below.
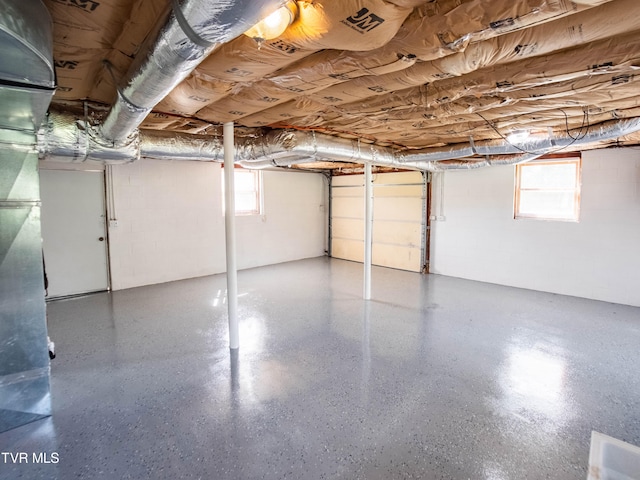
(24, 362)
(26, 87)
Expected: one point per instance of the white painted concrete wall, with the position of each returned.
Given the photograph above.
(293, 224)
(597, 258)
(171, 224)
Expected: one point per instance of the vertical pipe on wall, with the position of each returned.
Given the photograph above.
(329, 200)
(368, 229)
(426, 221)
(230, 234)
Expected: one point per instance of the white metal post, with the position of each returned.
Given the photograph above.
(368, 229)
(230, 234)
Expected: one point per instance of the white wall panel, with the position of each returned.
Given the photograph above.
(293, 224)
(171, 224)
(598, 257)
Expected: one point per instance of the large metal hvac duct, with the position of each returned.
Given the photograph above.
(26, 88)
(27, 78)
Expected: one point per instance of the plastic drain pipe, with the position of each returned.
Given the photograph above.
(368, 229)
(230, 234)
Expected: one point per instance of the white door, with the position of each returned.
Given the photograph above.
(398, 219)
(74, 231)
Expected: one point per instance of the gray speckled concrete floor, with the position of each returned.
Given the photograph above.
(436, 378)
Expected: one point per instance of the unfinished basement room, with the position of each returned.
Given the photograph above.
(320, 239)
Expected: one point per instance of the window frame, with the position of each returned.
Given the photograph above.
(573, 159)
(258, 192)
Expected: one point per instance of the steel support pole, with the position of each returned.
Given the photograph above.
(230, 234)
(368, 229)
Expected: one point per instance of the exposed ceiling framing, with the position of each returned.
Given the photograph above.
(407, 75)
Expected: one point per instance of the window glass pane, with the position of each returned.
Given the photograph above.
(247, 192)
(548, 189)
(244, 181)
(548, 176)
(550, 204)
(246, 202)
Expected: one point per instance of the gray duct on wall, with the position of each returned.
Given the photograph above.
(65, 138)
(191, 31)
(27, 78)
(25, 37)
(26, 87)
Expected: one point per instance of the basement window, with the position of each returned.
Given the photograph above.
(248, 192)
(548, 189)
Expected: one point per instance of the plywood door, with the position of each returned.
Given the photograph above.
(398, 219)
(74, 231)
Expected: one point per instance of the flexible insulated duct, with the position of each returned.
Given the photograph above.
(191, 31)
(495, 160)
(573, 138)
(311, 147)
(63, 138)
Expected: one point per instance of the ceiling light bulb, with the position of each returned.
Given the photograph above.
(518, 136)
(275, 24)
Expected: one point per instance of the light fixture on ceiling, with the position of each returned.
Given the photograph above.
(518, 136)
(275, 24)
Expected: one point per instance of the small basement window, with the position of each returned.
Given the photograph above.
(248, 192)
(548, 189)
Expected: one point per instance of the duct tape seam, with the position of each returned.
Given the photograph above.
(186, 28)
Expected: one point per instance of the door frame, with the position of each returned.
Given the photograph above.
(106, 185)
(426, 215)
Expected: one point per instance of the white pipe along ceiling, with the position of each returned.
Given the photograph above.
(399, 84)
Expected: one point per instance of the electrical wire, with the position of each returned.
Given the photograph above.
(585, 126)
(493, 127)
(585, 121)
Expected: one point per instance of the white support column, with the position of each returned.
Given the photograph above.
(230, 234)
(368, 229)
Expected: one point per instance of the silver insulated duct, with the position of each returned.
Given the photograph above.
(571, 139)
(191, 31)
(65, 138)
(281, 148)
